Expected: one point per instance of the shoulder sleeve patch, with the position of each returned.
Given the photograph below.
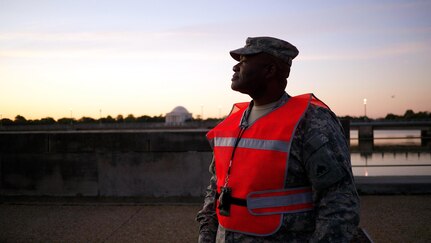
(321, 164)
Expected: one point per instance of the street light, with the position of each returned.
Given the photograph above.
(100, 116)
(365, 107)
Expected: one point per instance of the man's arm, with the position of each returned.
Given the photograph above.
(207, 217)
(327, 162)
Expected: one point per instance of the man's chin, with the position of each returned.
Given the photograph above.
(238, 89)
(235, 87)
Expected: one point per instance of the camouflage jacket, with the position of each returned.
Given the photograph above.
(319, 157)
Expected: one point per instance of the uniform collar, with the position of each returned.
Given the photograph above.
(244, 120)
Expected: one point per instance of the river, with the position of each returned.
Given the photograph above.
(392, 153)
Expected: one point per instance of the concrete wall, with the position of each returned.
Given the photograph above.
(127, 163)
(120, 163)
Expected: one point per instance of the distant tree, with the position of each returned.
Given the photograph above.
(65, 121)
(6, 122)
(32, 122)
(422, 115)
(130, 118)
(120, 118)
(87, 120)
(20, 120)
(143, 119)
(212, 119)
(108, 119)
(391, 116)
(409, 114)
(159, 118)
(345, 118)
(47, 120)
(355, 118)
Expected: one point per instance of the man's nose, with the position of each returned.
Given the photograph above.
(236, 68)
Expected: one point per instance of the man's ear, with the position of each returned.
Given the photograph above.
(271, 70)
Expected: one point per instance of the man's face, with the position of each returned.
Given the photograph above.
(249, 75)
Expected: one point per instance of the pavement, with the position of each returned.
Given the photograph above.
(388, 218)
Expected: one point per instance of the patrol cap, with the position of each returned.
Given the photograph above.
(278, 48)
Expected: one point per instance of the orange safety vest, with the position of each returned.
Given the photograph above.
(258, 170)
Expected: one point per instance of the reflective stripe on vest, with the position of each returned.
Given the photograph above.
(251, 143)
(291, 200)
(259, 167)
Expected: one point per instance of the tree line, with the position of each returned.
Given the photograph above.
(21, 120)
(409, 115)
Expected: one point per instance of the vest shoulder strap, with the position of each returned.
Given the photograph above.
(316, 101)
(238, 106)
(312, 99)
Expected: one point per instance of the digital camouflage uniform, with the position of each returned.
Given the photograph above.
(319, 157)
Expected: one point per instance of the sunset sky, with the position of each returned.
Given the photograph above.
(92, 58)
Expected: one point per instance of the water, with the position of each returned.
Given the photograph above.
(393, 153)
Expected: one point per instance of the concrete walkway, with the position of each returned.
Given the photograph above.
(385, 218)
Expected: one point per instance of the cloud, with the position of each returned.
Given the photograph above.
(168, 45)
(106, 36)
(402, 49)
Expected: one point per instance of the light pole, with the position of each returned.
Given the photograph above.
(100, 116)
(365, 107)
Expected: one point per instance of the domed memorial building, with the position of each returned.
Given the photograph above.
(179, 115)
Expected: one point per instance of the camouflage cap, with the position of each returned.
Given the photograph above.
(270, 45)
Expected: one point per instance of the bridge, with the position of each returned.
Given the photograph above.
(366, 128)
(366, 132)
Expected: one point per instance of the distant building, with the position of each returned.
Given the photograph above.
(178, 115)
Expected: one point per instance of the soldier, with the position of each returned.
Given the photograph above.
(281, 168)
